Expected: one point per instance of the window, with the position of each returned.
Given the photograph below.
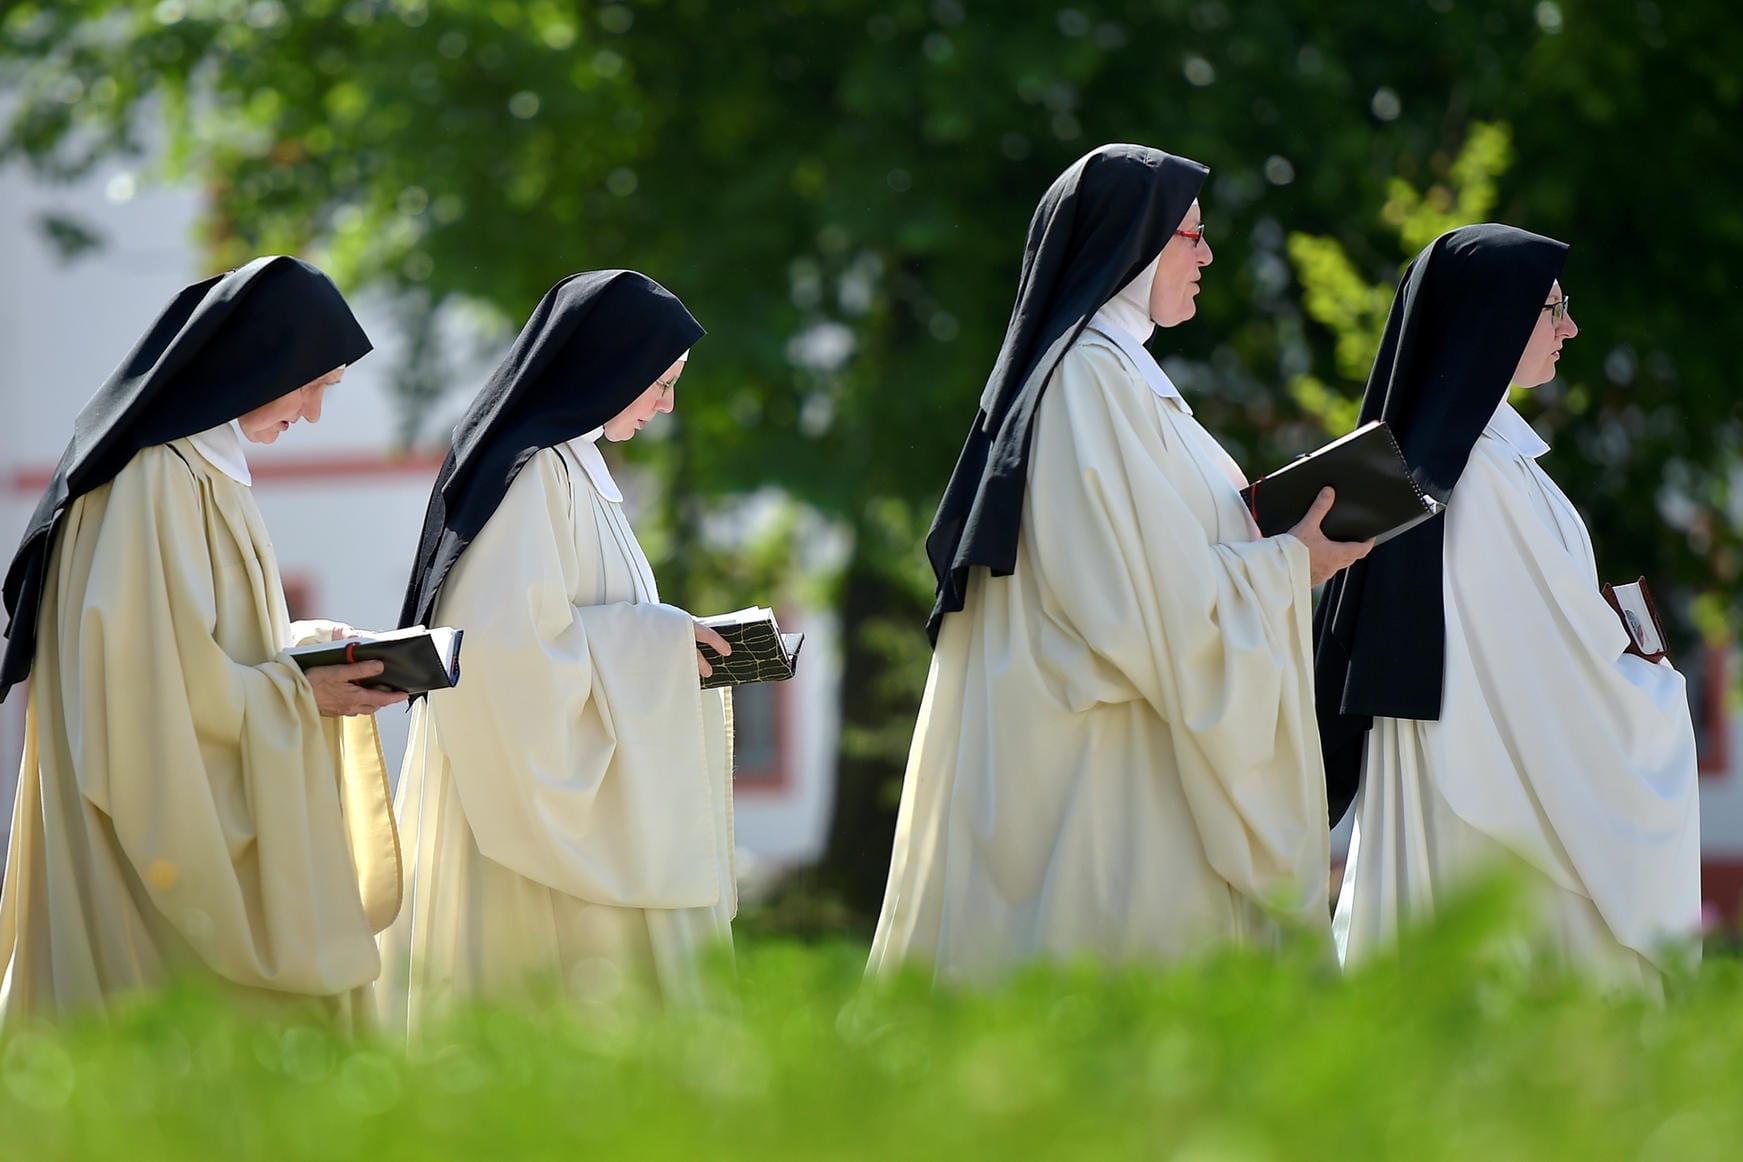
(299, 597)
(759, 719)
(1708, 680)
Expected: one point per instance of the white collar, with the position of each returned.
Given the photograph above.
(222, 448)
(588, 455)
(1129, 309)
(1136, 352)
(1509, 426)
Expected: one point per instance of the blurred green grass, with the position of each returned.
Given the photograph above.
(1457, 1048)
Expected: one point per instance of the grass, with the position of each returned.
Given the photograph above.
(1451, 1051)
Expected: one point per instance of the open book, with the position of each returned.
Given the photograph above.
(1376, 495)
(415, 660)
(1633, 604)
(760, 651)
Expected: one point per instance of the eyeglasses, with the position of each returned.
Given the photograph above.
(1557, 310)
(1197, 235)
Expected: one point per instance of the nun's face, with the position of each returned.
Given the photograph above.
(264, 424)
(1174, 294)
(1555, 326)
(661, 396)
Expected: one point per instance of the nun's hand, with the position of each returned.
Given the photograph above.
(1326, 557)
(707, 637)
(337, 693)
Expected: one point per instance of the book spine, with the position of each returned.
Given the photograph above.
(1392, 442)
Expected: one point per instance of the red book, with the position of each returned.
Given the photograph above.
(1633, 604)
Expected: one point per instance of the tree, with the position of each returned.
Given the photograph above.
(839, 188)
(1341, 299)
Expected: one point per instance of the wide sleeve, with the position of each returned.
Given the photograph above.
(1577, 755)
(576, 737)
(218, 778)
(1215, 637)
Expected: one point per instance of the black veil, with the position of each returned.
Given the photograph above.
(1463, 312)
(1100, 223)
(595, 342)
(222, 348)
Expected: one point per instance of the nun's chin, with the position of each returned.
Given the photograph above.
(1528, 379)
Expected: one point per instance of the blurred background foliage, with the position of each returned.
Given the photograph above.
(839, 190)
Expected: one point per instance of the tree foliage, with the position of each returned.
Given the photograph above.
(1341, 298)
(839, 189)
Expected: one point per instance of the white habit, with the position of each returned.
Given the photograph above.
(184, 810)
(1553, 744)
(568, 804)
(1116, 756)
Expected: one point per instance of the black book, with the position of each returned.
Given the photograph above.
(415, 660)
(1376, 495)
(760, 651)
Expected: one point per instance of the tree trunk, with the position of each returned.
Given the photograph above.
(877, 717)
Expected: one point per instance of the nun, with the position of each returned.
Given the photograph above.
(191, 805)
(1478, 701)
(568, 805)
(1116, 756)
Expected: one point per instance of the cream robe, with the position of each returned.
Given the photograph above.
(568, 804)
(1553, 744)
(1116, 754)
(183, 809)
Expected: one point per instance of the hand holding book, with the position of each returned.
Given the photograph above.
(1377, 498)
(1326, 557)
(718, 647)
(760, 652)
(339, 690)
(413, 661)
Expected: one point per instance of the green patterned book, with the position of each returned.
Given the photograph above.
(760, 651)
